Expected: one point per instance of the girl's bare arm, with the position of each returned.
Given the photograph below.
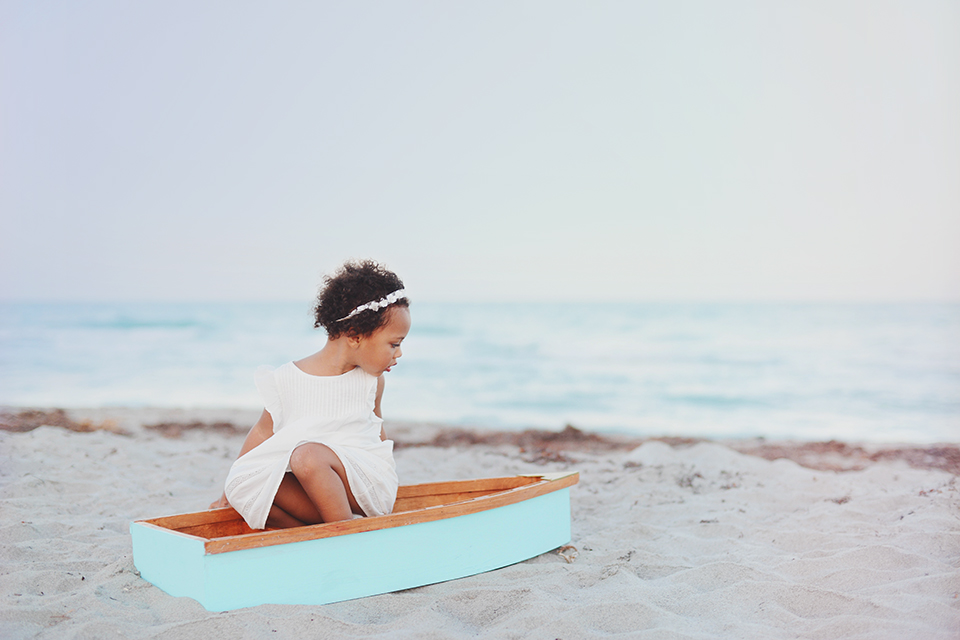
(376, 405)
(262, 430)
(259, 433)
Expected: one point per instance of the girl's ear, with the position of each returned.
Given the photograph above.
(354, 340)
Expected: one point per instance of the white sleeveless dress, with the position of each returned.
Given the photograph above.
(336, 411)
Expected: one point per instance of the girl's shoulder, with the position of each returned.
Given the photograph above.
(292, 370)
(266, 382)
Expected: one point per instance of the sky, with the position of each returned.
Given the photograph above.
(503, 150)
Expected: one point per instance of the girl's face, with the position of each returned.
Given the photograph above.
(378, 352)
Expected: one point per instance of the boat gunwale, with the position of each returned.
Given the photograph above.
(541, 484)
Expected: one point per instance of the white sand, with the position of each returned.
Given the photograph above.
(701, 542)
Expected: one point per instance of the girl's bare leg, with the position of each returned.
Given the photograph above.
(316, 491)
(280, 519)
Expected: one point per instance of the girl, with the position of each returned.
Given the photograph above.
(318, 453)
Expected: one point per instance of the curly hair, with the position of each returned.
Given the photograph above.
(354, 284)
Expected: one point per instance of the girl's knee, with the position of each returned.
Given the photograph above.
(312, 457)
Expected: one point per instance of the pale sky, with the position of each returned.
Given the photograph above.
(496, 150)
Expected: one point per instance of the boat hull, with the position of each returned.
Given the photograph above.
(343, 567)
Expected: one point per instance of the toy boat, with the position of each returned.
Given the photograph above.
(437, 532)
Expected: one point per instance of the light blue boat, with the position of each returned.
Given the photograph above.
(437, 532)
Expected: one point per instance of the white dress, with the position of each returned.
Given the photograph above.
(336, 411)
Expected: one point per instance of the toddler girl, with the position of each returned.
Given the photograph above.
(318, 453)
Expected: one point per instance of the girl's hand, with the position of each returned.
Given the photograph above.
(222, 502)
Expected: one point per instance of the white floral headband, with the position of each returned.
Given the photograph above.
(386, 301)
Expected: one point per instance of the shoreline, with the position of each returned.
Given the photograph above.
(534, 445)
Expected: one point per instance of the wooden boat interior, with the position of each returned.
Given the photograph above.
(224, 529)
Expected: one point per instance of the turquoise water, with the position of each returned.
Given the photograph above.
(853, 372)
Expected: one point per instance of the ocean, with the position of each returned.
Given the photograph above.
(856, 372)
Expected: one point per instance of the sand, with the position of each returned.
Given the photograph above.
(695, 540)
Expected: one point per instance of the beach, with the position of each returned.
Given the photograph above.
(673, 537)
